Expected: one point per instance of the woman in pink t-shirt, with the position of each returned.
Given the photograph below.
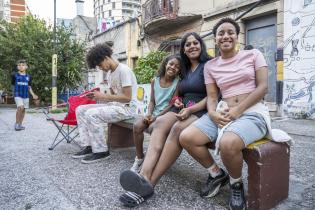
(241, 78)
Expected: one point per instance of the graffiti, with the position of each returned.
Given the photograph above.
(294, 51)
(307, 2)
(295, 21)
(143, 98)
(264, 46)
(296, 94)
(298, 58)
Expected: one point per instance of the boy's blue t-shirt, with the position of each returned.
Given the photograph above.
(21, 83)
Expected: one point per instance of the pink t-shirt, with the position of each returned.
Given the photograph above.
(234, 76)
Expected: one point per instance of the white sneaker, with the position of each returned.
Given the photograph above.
(136, 167)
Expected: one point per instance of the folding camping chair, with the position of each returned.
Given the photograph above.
(68, 125)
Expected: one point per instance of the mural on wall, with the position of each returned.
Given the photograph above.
(299, 58)
(143, 98)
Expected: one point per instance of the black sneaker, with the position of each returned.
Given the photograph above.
(213, 185)
(237, 198)
(83, 153)
(94, 157)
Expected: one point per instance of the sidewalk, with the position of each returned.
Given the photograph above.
(32, 177)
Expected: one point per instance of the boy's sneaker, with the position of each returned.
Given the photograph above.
(83, 153)
(213, 185)
(22, 127)
(237, 198)
(17, 127)
(95, 157)
(136, 167)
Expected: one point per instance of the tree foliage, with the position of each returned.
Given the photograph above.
(148, 66)
(32, 39)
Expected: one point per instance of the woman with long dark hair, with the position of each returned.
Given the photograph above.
(164, 147)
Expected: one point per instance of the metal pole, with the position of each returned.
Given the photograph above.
(54, 66)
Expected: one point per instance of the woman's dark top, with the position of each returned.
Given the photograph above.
(192, 89)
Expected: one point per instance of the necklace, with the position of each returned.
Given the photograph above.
(194, 69)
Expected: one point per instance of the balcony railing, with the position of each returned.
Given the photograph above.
(160, 8)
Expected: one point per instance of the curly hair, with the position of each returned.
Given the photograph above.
(226, 20)
(203, 57)
(97, 54)
(162, 69)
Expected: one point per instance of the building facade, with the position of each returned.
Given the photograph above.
(112, 12)
(12, 10)
(165, 21)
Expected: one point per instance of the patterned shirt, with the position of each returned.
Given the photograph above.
(21, 84)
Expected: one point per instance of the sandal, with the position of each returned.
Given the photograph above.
(131, 199)
(134, 182)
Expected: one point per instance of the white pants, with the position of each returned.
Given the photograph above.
(92, 118)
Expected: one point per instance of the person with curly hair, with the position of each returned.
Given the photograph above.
(119, 104)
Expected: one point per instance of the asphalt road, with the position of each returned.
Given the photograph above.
(32, 177)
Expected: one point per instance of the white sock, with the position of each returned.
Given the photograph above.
(233, 181)
(214, 170)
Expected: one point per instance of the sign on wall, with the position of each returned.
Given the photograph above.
(143, 98)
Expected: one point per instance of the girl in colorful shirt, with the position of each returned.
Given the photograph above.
(162, 90)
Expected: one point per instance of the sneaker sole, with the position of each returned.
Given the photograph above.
(217, 189)
(232, 208)
(94, 161)
(214, 192)
(80, 156)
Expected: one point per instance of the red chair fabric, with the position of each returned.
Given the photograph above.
(63, 125)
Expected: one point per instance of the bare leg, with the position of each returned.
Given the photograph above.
(159, 134)
(22, 115)
(171, 150)
(19, 114)
(194, 141)
(138, 129)
(231, 147)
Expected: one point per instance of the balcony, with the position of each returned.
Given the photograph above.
(164, 14)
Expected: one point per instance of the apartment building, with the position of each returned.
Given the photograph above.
(112, 12)
(12, 10)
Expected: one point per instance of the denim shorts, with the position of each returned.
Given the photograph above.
(250, 127)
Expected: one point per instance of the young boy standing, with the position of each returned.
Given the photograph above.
(22, 86)
(118, 105)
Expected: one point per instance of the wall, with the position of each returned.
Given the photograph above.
(199, 7)
(299, 58)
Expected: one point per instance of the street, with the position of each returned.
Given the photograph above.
(32, 177)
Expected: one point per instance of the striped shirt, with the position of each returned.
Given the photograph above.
(21, 84)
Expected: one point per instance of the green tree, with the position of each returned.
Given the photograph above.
(32, 39)
(148, 66)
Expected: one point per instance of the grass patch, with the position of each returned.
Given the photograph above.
(57, 111)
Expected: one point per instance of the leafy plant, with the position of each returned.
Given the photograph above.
(32, 39)
(148, 66)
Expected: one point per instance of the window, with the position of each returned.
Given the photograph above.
(113, 5)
